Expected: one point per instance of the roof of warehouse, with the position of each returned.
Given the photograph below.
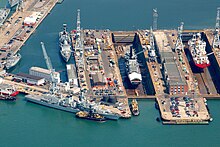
(24, 75)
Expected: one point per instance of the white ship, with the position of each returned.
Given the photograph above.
(65, 41)
(4, 12)
(12, 60)
(197, 49)
(53, 101)
(132, 67)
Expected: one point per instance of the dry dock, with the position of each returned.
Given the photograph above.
(177, 106)
(97, 68)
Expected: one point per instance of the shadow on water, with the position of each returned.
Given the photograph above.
(146, 79)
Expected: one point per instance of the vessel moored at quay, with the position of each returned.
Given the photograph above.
(53, 101)
(12, 61)
(4, 12)
(65, 41)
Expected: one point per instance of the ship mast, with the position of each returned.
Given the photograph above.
(216, 40)
(179, 44)
(50, 67)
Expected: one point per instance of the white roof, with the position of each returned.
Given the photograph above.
(42, 70)
(30, 20)
(134, 76)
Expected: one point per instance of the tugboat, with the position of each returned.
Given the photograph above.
(134, 107)
(90, 116)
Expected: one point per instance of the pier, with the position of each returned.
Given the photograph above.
(14, 33)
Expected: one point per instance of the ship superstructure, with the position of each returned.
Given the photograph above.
(65, 41)
(4, 12)
(8, 90)
(197, 48)
(132, 67)
(12, 60)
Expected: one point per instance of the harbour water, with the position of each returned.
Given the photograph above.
(27, 124)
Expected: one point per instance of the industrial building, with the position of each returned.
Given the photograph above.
(72, 75)
(175, 81)
(98, 79)
(30, 79)
(44, 73)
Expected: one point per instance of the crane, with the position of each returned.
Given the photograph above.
(155, 17)
(216, 40)
(50, 67)
(179, 43)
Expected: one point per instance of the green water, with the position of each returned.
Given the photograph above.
(27, 124)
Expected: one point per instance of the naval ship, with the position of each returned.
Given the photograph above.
(132, 67)
(4, 12)
(65, 41)
(53, 101)
(12, 60)
(68, 104)
(197, 49)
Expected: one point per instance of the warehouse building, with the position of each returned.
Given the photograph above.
(30, 79)
(44, 73)
(175, 80)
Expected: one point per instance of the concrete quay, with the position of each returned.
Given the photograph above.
(176, 108)
(14, 34)
(97, 68)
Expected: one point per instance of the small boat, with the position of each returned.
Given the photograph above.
(7, 98)
(134, 107)
(7, 90)
(12, 60)
(90, 116)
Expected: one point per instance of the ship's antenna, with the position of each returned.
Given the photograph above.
(216, 40)
(155, 16)
(179, 43)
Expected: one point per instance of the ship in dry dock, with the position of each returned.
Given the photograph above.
(197, 49)
(132, 66)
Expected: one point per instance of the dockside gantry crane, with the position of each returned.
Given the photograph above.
(179, 43)
(216, 40)
(50, 68)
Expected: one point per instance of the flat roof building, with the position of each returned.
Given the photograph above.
(30, 79)
(44, 73)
